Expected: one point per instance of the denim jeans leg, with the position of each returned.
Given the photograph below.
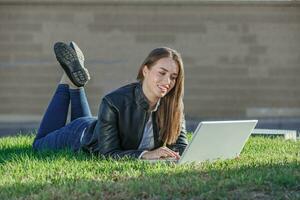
(67, 137)
(79, 104)
(56, 114)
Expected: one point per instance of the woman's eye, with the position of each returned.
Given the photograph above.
(173, 78)
(162, 73)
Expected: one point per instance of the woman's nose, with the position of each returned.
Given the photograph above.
(167, 80)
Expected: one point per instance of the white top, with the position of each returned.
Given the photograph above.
(147, 142)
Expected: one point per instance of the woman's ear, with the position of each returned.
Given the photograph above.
(145, 70)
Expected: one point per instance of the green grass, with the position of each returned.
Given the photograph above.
(268, 168)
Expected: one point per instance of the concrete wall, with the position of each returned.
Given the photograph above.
(241, 59)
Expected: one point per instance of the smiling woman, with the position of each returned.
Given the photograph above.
(143, 119)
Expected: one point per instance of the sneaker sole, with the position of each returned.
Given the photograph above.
(77, 50)
(67, 58)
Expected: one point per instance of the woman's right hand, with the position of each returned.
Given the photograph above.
(161, 152)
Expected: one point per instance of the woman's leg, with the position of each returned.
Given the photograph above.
(67, 137)
(56, 114)
(53, 134)
(79, 104)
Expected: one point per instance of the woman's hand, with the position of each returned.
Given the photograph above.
(161, 152)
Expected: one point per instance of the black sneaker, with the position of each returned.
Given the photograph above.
(69, 61)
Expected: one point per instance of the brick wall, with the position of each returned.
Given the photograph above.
(241, 59)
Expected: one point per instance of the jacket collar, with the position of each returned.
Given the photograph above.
(140, 97)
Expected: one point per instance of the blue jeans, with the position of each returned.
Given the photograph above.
(53, 133)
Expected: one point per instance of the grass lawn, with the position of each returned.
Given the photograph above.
(268, 168)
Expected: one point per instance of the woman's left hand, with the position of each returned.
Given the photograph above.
(162, 152)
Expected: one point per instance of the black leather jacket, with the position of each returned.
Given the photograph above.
(119, 128)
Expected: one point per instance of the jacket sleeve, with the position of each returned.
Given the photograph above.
(181, 142)
(108, 134)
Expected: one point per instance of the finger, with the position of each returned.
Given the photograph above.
(170, 153)
(164, 153)
(176, 154)
(169, 150)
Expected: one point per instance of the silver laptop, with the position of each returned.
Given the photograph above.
(215, 140)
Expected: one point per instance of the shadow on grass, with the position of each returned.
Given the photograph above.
(259, 182)
(11, 153)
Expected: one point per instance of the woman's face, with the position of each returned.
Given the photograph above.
(160, 78)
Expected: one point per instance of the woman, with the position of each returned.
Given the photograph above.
(140, 120)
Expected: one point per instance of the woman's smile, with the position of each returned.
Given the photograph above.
(164, 89)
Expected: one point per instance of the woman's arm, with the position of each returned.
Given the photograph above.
(108, 135)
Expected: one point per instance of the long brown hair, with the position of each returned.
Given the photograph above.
(170, 111)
